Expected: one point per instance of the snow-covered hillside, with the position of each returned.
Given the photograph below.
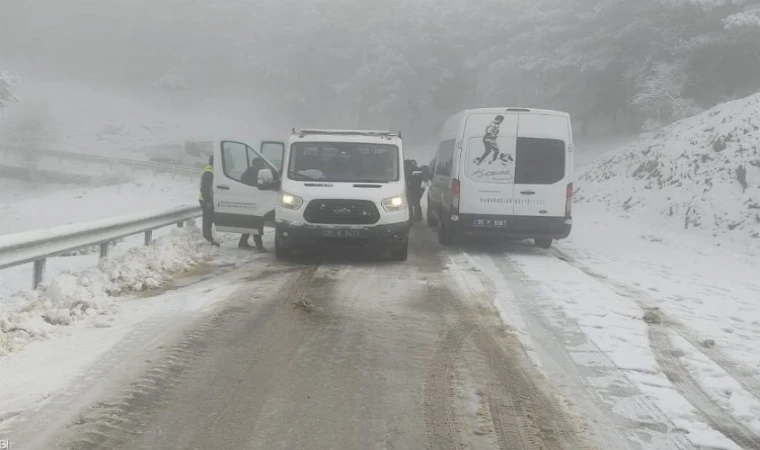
(700, 173)
(73, 117)
(25, 206)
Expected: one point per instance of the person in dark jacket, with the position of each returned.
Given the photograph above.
(251, 178)
(414, 190)
(206, 199)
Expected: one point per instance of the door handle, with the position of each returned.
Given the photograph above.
(223, 187)
(528, 192)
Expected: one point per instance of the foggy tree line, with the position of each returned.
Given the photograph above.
(615, 63)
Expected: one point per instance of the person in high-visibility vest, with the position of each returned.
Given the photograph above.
(206, 199)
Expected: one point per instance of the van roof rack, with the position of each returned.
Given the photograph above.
(312, 131)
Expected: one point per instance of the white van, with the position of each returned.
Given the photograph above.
(505, 173)
(343, 188)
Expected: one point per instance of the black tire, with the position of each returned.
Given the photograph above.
(544, 243)
(280, 252)
(431, 220)
(444, 236)
(401, 254)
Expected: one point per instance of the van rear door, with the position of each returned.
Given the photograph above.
(486, 171)
(542, 165)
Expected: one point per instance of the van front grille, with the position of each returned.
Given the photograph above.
(342, 212)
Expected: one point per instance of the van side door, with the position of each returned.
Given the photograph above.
(439, 197)
(245, 188)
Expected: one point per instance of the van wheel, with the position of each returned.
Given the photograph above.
(444, 237)
(401, 254)
(280, 252)
(431, 220)
(544, 243)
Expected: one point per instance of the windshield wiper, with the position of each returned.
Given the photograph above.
(301, 177)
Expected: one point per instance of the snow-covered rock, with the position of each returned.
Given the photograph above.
(699, 173)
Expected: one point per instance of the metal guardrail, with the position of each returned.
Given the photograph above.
(36, 246)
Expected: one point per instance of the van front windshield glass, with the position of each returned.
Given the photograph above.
(351, 162)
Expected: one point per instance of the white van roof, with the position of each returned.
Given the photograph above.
(517, 109)
(366, 136)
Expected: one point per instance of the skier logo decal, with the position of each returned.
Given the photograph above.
(494, 164)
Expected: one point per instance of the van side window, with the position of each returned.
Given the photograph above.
(539, 161)
(445, 157)
(241, 163)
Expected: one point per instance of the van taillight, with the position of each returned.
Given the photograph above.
(455, 191)
(569, 200)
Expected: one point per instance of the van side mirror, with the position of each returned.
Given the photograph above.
(267, 181)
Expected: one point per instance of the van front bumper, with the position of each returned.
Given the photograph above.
(512, 227)
(376, 237)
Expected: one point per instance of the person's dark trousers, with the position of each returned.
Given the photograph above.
(257, 239)
(243, 243)
(208, 222)
(417, 208)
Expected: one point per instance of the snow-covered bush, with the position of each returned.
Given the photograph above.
(7, 97)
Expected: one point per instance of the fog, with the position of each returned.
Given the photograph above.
(261, 67)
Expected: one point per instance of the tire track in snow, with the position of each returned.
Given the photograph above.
(678, 373)
(37, 425)
(549, 342)
(524, 411)
(743, 375)
(682, 379)
(439, 414)
(116, 422)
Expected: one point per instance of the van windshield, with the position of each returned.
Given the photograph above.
(344, 162)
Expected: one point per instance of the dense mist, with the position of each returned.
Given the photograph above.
(617, 66)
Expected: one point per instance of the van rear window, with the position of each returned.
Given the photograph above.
(539, 161)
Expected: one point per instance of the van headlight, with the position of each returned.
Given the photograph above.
(290, 201)
(395, 203)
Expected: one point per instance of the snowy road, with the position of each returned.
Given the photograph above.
(340, 354)
(467, 347)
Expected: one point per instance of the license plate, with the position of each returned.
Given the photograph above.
(341, 233)
(490, 223)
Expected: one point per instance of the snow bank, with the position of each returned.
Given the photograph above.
(700, 173)
(86, 295)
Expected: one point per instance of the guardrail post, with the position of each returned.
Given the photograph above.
(39, 272)
(103, 250)
(148, 237)
(181, 224)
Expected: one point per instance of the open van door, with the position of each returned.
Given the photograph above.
(245, 188)
(543, 169)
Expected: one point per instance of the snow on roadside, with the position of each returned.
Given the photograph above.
(700, 173)
(91, 293)
(615, 348)
(713, 291)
